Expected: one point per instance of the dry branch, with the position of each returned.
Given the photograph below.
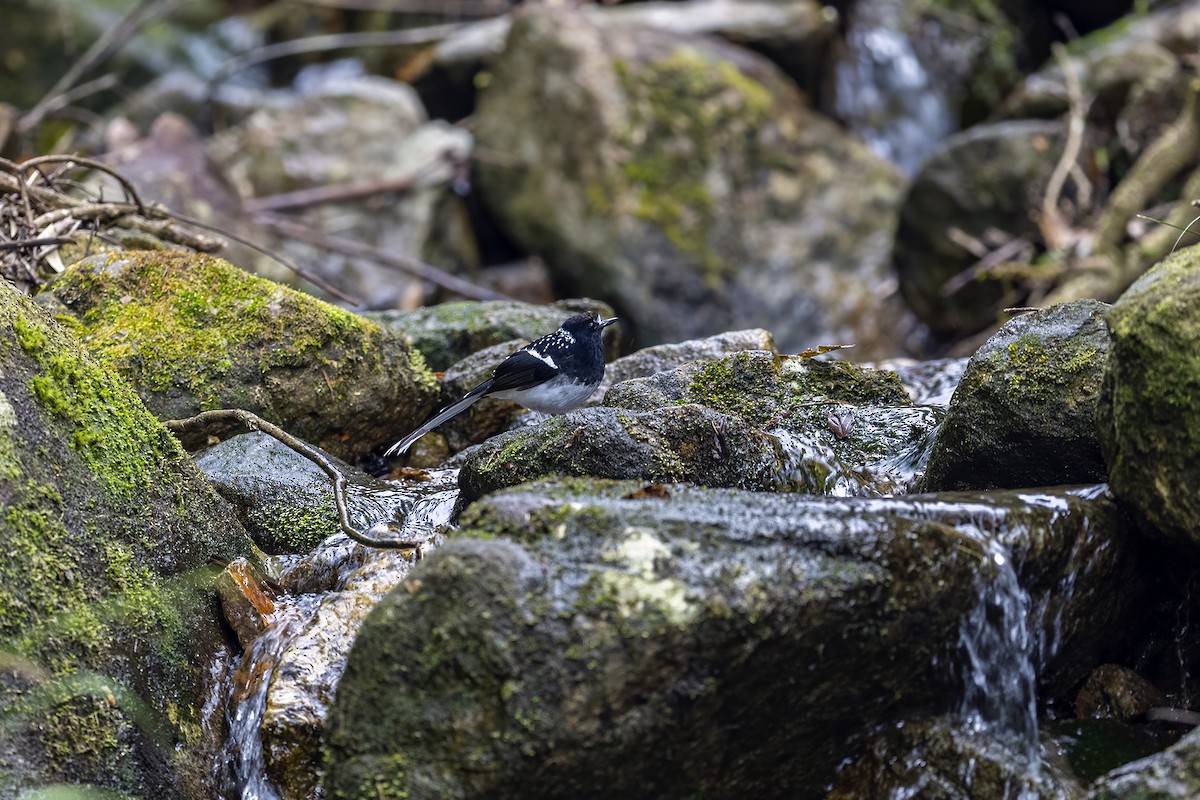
(237, 418)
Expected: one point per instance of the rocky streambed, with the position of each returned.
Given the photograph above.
(738, 571)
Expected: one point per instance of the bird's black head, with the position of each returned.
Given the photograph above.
(588, 323)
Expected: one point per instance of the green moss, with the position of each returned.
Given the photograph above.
(193, 316)
(1036, 375)
(289, 528)
(120, 441)
(689, 111)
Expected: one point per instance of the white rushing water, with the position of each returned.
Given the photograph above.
(331, 590)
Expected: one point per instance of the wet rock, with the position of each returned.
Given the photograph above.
(981, 180)
(192, 333)
(660, 358)
(1024, 412)
(681, 443)
(1173, 774)
(449, 332)
(245, 599)
(834, 418)
(1148, 417)
(283, 499)
(624, 640)
(686, 181)
(107, 615)
(1116, 692)
(340, 129)
(286, 681)
(943, 759)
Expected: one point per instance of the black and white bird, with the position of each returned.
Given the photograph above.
(553, 374)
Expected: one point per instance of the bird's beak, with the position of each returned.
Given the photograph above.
(604, 323)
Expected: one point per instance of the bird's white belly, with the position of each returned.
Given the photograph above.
(556, 396)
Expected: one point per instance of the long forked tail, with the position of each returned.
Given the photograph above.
(450, 411)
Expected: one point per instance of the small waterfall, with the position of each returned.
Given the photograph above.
(329, 593)
(999, 679)
(885, 93)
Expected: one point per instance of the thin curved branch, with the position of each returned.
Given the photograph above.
(90, 163)
(333, 41)
(108, 43)
(411, 266)
(252, 422)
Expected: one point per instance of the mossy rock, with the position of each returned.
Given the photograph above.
(193, 333)
(851, 418)
(928, 759)
(590, 638)
(681, 443)
(449, 332)
(108, 620)
(1149, 407)
(1024, 412)
(687, 181)
(284, 500)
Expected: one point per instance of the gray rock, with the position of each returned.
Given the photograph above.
(659, 642)
(192, 332)
(1173, 774)
(107, 613)
(846, 429)
(686, 181)
(681, 443)
(1024, 412)
(660, 358)
(986, 178)
(1149, 407)
(282, 498)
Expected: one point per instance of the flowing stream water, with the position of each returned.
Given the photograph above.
(289, 674)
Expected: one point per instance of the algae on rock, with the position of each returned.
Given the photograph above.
(107, 611)
(193, 333)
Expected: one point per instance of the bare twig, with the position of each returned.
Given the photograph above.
(334, 41)
(1168, 155)
(319, 195)
(21, 243)
(206, 420)
(445, 8)
(1055, 232)
(1005, 252)
(105, 45)
(411, 266)
(90, 163)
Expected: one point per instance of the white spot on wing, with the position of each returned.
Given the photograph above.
(547, 360)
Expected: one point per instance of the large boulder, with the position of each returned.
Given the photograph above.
(978, 182)
(1149, 407)
(1024, 411)
(108, 621)
(193, 333)
(687, 182)
(670, 642)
